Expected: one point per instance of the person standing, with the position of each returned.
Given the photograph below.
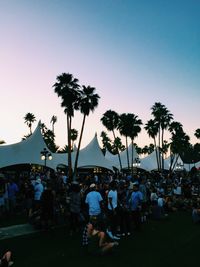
(74, 207)
(112, 211)
(12, 192)
(47, 202)
(38, 190)
(136, 205)
(94, 201)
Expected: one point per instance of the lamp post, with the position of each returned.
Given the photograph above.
(179, 167)
(136, 163)
(45, 154)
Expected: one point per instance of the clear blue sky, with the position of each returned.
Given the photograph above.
(135, 53)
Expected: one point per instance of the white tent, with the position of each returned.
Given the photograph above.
(123, 155)
(149, 163)
(176, 162)
(29, 152)
(24, 152)
(92, 156)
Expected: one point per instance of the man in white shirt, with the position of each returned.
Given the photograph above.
(94, 201)
(112, 211)
(38, 190)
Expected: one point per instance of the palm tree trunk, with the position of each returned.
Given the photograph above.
(162, 159)
(175, 161)
(128, 163)
(159, 159)
(132, 158)
(154, 139)
(171, 160)
(120, 162)
(78, 149)
(69, 148)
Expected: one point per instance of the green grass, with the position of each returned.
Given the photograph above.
(13, 220)
(174, 242)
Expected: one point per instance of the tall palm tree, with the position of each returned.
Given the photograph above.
(163, 117)
(110, 120)
(53, 121)
(152, 130)
(134, 130)
(67, 88)
(123, 127)
(88, 101)
(29, 120)
(179, 142)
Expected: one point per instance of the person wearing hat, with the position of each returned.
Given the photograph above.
(94, 201)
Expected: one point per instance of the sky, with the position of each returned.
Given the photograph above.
(134, 52)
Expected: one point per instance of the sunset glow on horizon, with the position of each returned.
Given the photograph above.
(135, 53)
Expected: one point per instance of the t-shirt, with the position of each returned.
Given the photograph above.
(136, 200)
(12, 190)
(160, 202)
(113, 195)
(38, 191)
(93, 199)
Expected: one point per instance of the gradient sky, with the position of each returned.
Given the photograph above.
(135, 53)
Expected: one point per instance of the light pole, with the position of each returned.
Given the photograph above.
(45, 154)
(136, 163)
(179, 167)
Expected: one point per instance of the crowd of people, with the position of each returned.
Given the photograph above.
(103, 207)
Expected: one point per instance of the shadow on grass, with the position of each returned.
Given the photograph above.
(174, 242)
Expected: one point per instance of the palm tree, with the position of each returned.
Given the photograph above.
(106, 142)
(29, 119)
(2, 142)
(163, 117)
(138, 149)
(49, 138)
(151, 148)
(145, 150)
(134, 130)
(63, 150)
(87, 103)
(117, 145)
(197, 133)
(67, 88)
(110, 120)
(53, 121)
(152, 130)
(179, 142)
(165, 148)
(123, 127)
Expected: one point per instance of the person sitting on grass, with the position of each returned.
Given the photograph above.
(5, 261)
(97, 244)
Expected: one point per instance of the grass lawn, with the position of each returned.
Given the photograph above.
(174, 242)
